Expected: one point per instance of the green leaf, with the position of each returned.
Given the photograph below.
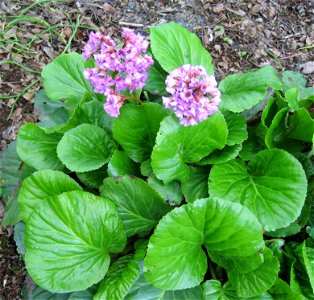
(213, 290)
(52, 112)
(308, 258)
(9, 171)
(142, 289)
(139, 206)
(282, 291)
(291, 96)
(19, 237)
(242, 91)
(41, 186)
(262, 186)
(120, 164)
(12, 212)
(155, 82)
(301, 125)
(236, 128)
(177, 241)
(292, 80)
(252, 145)
(276, 134)
(63, 78)
(177, 145)
(137, 127)
(93, 179)
(85, 148)
(174, 46)
(171, 192)
(258, 281)
(68, 240)
(221, 156)
(37, 148)
(196, 187)
(119, 279)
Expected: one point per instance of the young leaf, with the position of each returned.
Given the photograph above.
(174, 46)
(223, 227)
(85, 148)
(137, 127)
(177, 145)
(119, 279)
(258, 281)
(41, 186)
(68, 240)
(196, 187)
(9, 171)
(37, 148)
(120, 164)
(140, 206)
(282, 291)
(63, 78)
(262, 186)
(242, 91)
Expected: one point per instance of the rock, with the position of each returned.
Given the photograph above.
(307, 68)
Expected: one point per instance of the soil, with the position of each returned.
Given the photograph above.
(240, 35)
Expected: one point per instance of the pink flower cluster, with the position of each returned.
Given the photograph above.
(194, 94)
(119, 69)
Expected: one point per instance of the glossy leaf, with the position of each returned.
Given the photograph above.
(85, 148)
(236, 129)
(291, 79)
(68, 240)
(196, 187)
(120, 164)
(177, 145)
(137, 127)
(155, 82)
(174, 46)
(42, 186)
(93, 179)
(120, 277)
(63, 78)
(176, 244)
(221, 156)
(9, 171)
(262, 186)
(258, 281)
(12, 212)
(140, 206)
(242, 91)
(37, 148)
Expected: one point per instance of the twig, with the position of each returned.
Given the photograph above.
(121, 23)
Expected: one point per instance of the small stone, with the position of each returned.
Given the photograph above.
(217, 47)
(307, 68)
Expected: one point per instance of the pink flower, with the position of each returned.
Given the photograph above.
(117, 70)
(194, 94)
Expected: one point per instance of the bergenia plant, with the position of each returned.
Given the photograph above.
(147, 179)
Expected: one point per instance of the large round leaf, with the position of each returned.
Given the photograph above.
(242, 91)
(258, 281)
(174, 46)
(37, 148)
(273, 186)
(41, 186)
(137, 127)
(68, 240)
(177, 145)
(175, 259)
(139, 205)
(85, 148)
